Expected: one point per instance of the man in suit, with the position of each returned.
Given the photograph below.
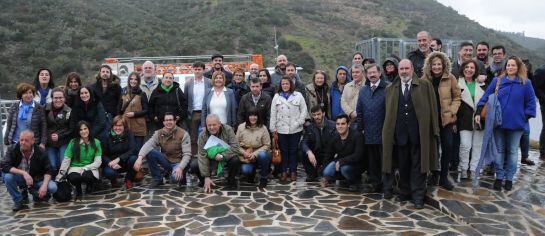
(195, 89)
(411, 127)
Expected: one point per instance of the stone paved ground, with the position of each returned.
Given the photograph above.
(294, 209)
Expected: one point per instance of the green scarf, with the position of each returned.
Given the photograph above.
(211, 154)
(167, 89)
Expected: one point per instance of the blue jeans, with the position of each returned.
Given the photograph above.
(56, 155)
(156, 159)
(14, 181)
(507, 142)
(263, 160)
(127, 166)
(351, 173)
(288, 148)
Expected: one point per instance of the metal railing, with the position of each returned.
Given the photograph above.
(4, 111)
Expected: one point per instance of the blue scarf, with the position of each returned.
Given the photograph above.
(285, 95)
(26, 110)
(43, 95)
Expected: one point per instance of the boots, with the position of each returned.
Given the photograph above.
(293, 176)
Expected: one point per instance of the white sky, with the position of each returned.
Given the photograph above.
(504, 15)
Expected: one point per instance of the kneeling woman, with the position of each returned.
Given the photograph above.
(82, 159)
(255, 143)
(118, 153)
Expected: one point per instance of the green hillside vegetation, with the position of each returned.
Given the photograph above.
(76, 35)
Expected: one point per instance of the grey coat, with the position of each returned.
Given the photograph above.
(231, 107)
(188, 90)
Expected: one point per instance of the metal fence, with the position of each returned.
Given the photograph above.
(4, 109)
(382, 48)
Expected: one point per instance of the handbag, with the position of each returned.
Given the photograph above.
(276, 155)
(484, 111)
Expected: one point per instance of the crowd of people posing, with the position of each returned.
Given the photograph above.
(383, 120)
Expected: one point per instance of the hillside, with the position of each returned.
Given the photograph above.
(75, 35)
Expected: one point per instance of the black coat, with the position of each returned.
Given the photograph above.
(122, 147)
(539, 84)
(312, 140)
(59, 124)
(39, 163)
(162, 101)
(263, 108)
(349, 152)
(94, 114)
(110, 98)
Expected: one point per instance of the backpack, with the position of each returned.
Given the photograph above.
(64, 191)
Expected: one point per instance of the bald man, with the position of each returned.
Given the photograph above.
(279, 69)
(254, 68)
(149, 80)
(417, 56)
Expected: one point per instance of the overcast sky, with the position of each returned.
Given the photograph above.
(511, 16)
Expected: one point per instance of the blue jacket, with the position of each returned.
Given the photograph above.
(517, 100)
(371, 110)
(335, 93)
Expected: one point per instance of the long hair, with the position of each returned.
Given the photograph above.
(69, 77)
(50, 85)
(131, 90)
(92, 98)
(522, 71)
(268, 75)
(292, 85)
(75, 148)
(326, 86)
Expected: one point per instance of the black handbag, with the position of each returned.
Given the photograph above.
(64, 191)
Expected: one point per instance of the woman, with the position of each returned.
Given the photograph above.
(88, 109)
(436, 69)
(59, 131)
(471, 135)
(238, 85)
(266, 85)
(255, 143)
(220, 101)
(357, 58)
(71, 88)
(367, 61)
(26, 114)
(167, 97)
(288, 113)
(82, 160)
(43, 83)
(342, 77)
(133, 107)
(518, 104)
(119, 153)
(318, 93)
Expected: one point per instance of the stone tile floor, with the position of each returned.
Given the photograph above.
(288, 209)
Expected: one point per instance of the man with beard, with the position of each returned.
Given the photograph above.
(466, 53)
(411, 127)
(149, 80)
(498, 62)
(280, 70)
(291, 71)
(417, 56)
(436, 45)
(254, 68)
(107, 92)
(316, 141)
(217, 65)
(482, 54)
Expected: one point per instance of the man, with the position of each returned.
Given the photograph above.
(315, 142)
(539, 89)
(175, 154)
(344, 156)
(291, 71)
(228, 158)
(196, 88)
(497, 65)
(279, 70)
(27, 167)
(254, 68)
(466, 53)
(370, 109)
(417, 56)
(217, 65)
(411, 127)
(149, 80)
(482, 54)
(257, 100)
(107, 92)
(436, 45)
(349, 98)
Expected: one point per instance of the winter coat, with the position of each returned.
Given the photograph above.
(38, 166)
(349, 152)
(59, 124)
(38, 96)
(539, 84)
(312, 99)
(371, 111)
(121, 147)
(336, 93)
(38, 123)
(162, 101)
(312, 138)
(226, 134)
(110, 98)
(137, 103)
(93, 114)
(269, 89)
(349, 98)
(148, 91)
(263, 108)
(231, 106)
(390, 78)
(423, 99)
(256, 138)
(71, 97)
(417, 58)
(239, 90)
(176, 145)
(288, 115)
(468, 106)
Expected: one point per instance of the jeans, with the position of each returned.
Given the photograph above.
(126, 166)
(263, 160)
(289, 144)
(447, 150)
(525, 144)
(352, 174)
(55, 155)
(156, 159)
(507, 142)
(14, 181)
(471, 141)
(139, 141)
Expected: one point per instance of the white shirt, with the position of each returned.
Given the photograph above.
(198, 94)
(403, 85)
(375, 84)
(218, 105)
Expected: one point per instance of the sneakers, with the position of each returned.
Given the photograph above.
(527, 161)
(19, 206)
(508, 185)
(497, 184)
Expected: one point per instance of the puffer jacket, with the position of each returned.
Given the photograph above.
(288, 115)
(38, 124)
(449, 92)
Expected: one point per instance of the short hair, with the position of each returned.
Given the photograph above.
(27, 131)
(316, 108)
(213, 116)
(255, 81)
(216, 55)
(168, 113)
(22, 88)
(498, 47)
(371, 66)
(358, 66)
(465, 44)
(465, 63)
(216, 74)
(484, 43)
(253, 112)
(50, 85)
(368, 60)
(56, 90)
(292, 65)
(238, 70)
(70, 76)
(119, 118)
(199, 64)
(342, 116)
(292, 84)
(439, 42)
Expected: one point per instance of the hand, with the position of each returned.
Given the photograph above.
(454, 129)
(129, 114)
(481, 78)
(251, 157)
(28, 179)
(353, 115)
(179, 173)
(275, 135)
(311, 158)
(43, 191)
(219, 157)
(138, 164)
(58, 177)
(54, 137)
(42, 147)
(208, 184)
(478, 120)
(337, 166)
(114, 163)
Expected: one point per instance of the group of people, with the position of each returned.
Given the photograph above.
(371, 118)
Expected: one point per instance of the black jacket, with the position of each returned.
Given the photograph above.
(94, 114)
(417, 58)
(263, 108)
(39, 163)
(268, 89)
(110, 98)
(539, 84)
(239, 89)
(162, 101)
(349, 151)
(59, 124)
(123, 147)
(312, 138)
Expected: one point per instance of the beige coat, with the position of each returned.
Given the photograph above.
(349, 99)
(256, 138)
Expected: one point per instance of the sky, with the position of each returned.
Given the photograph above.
(510, 16)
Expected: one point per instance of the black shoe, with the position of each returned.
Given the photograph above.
(250, 179)
(433, 179)
(387, 195)
(447, 185)
(401, 198)
(89, 188)
(156, 183)
(263, 183)
(24, 194)
(353, 188)
(19, 206)
(497, 184)
(231, 185)
(418, 204)
(508, 185)
(527, 161)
